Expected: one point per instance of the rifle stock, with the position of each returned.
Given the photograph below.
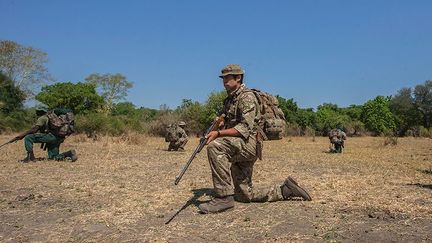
(203, 141)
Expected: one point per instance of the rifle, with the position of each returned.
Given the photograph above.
(203, 141)
(10, 141)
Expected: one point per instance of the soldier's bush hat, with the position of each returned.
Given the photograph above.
(231, 69)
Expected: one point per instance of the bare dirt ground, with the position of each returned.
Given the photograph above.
(122, 190)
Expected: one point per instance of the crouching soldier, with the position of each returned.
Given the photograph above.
(337, 139)
(44, 132)
(177, 137)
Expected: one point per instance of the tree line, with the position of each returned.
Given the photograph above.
(99, 104)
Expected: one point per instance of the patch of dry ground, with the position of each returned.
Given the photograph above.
(123, 190)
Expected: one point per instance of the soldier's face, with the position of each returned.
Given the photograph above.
(230, 83)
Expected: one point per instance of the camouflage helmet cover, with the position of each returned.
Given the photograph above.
(182, 123)
(231, 69)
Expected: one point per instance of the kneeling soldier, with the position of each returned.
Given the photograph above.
(40, 133)
(180, 138)
(232, 151)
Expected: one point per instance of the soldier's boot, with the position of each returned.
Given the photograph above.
(170, 147)
(71, 154)
(30, 157)
(290, 189)
(217, 204)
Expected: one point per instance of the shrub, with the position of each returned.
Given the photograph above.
(16, 121)
(390, 140)
(425, 132)
(293, 129)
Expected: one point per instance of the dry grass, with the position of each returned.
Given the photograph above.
(121, 189)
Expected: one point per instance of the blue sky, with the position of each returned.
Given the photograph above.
(343, 52)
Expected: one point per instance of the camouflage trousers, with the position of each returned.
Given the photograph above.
(52, 143)
(231, 162)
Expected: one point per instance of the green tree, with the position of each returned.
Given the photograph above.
(25, 65)
(124, 109)
(80, 97)
(403, 107)
(353, 111)
(329, 116)
(289, 108)
(423, 101)
(306, 119)
(212, 107)
(11, 97)
(112, 87)
(377, 117)
(191, 112)
(147, 114)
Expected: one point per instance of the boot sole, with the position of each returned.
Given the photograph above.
(221, 211)
(303, 193)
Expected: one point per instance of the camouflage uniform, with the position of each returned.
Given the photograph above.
(181, 141)
(232, 158)
(337, 138)
(232, 151)
(44, 136)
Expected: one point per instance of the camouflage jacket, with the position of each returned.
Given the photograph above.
(241, 110)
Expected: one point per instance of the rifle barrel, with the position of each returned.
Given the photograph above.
(183, 171)
(200, 146)
(11, 141)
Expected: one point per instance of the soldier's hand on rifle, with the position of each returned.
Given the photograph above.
(220, 121)
(211, 136)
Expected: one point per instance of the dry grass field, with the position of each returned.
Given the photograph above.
(122, 190)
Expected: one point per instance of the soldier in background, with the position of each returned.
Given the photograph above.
(40, 133)
(177, 137)
(337, 138)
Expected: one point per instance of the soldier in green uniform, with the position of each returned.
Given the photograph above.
(232, 151)
(40, 133)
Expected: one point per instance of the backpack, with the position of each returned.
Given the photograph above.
(61, 122)
(171, 133)
(336, 135)
(272, 121)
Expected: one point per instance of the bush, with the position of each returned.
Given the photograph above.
(293, 129)
(94, 124)
(425, 132)
(158, 126)
(390, 140)
(16, 121)
(355, 129)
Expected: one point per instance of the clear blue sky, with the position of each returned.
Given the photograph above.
(343, 52)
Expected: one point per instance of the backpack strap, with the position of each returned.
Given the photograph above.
(260, 131)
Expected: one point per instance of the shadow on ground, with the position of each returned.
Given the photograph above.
(197, 193)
